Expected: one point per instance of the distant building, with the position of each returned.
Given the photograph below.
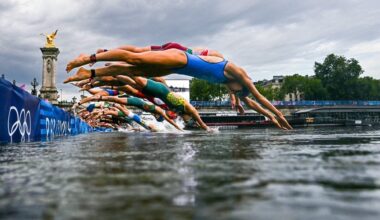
(295, 96)
(65, 105)
(276, 83)
(179, 84)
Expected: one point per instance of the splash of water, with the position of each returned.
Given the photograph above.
(166, 127)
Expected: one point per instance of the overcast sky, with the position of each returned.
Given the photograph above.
(265, 37)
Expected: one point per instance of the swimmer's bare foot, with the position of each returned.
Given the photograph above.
(77, 62)
(80, 75)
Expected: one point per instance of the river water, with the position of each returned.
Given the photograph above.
(313, 173)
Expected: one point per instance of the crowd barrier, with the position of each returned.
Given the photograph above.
(293, 103)
(24, 117)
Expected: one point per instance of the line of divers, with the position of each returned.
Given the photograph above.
(134, 78)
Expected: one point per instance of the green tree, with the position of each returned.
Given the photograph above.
(269, 92)
(311, 88)
(367, 88)
(338, 75)
(292, 84)
(201, 90)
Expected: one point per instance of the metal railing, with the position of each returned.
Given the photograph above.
(293, 103)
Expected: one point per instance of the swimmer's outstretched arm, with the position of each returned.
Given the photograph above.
(97, 115)
(97, 83)
(115, 99)
(128, 89)
(108, 79)
(235, 101)
(239, 107)
(82, 111)
(239, 74)
(88, 99)
(163, 114)
(137, 119)
(265, 102)
(189, 109)
(232, 98)
(94, 91)
(110, 112)
(255, 106)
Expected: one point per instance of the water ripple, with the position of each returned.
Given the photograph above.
(313, 173)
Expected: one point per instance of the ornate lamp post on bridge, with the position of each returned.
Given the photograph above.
(34, 83)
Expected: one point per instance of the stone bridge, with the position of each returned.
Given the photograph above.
(286, 107)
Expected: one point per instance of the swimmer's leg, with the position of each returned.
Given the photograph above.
(160, 59)
(116, 69)
(137, 119)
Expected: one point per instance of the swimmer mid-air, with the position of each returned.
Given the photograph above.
(158, 113)
(235, 101)
(160, 63)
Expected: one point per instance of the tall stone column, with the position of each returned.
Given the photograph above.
(49, 68)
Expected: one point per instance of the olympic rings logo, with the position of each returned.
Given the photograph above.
(23, 124)
(21, 121)
(56, 127)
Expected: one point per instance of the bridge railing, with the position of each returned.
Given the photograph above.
(293, 103)
(211, 103)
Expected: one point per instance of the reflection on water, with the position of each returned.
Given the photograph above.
(314, 173)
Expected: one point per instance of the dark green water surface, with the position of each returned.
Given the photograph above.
(314, 173)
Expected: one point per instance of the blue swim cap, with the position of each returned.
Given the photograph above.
(160, 119)
(90, 107)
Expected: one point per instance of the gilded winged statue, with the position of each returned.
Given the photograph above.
(50, 39)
